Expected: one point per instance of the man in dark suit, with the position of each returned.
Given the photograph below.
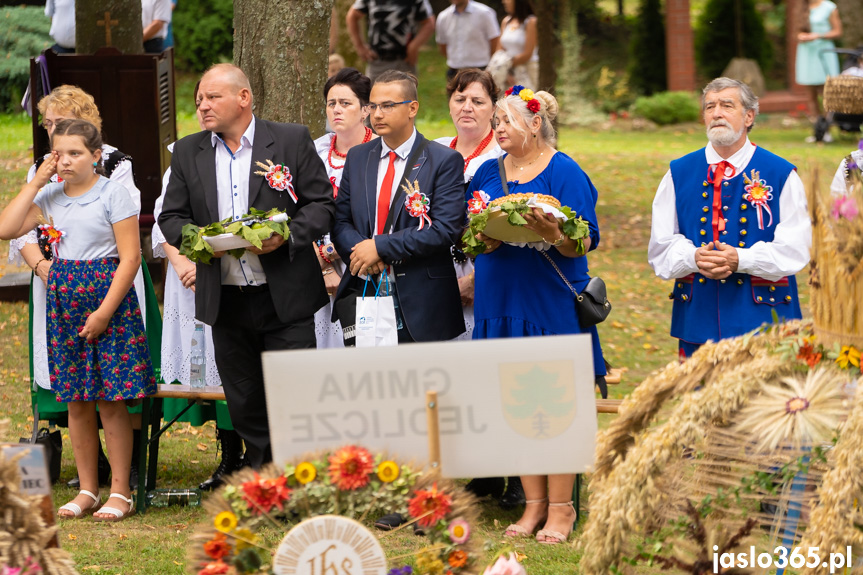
(266, 299)
(412, 247)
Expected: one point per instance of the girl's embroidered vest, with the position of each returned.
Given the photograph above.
(706, 309)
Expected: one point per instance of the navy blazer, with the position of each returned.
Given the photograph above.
(425, 280)
(292, 271)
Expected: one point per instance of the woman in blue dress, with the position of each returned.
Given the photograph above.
(518, 292)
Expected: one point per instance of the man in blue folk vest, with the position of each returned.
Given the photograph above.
(730, 227)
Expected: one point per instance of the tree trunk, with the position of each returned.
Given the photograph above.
(115, 23)
(282, 45)
(344, 46)
(852, 23)
(548, 19)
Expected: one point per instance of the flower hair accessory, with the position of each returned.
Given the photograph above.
(279, 177)
(527, 95)
(417, 203)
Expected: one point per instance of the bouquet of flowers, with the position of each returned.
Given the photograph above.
(254, 228)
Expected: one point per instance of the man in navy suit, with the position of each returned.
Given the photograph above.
(411, 244)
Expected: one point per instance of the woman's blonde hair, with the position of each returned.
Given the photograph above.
(513, 105)
(75, 102)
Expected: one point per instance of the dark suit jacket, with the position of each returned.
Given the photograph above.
(293, 272)
(425, 278)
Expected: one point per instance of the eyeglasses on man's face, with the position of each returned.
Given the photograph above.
(386, 107)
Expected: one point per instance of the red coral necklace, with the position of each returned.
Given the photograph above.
(335, 152)
(479, 149)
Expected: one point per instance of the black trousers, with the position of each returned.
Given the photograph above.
(248, 325)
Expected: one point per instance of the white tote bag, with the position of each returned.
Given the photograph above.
(376, 318)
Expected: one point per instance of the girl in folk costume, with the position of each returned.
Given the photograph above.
(346, 95)
(98, 353)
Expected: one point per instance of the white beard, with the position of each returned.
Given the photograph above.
(723, 135)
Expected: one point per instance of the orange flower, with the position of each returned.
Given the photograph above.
(217, 568)
(264, 494)
(350, 467)
(807, 354)
(457, 558)
(218, 547)
(430, 506)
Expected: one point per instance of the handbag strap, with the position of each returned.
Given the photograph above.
(563, 277)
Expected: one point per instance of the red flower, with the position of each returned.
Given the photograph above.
(429, 506)
(264, 494)
(217, 568)
(533, 106)
(217, 547)
(350, 467)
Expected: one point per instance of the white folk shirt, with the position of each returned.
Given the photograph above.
(467, 35)
(232, 185)
(672, 255)
(402, 153)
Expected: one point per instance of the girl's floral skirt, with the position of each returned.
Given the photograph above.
(115, 366)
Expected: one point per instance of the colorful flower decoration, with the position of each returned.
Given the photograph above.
(417, 203)
(527, 95)
(349, 481)
(478, 203)
(388, 471)
(279, 177)
(429, 506)
(225, 521)
(305, 472)
(350, 467)
(758, 193)
(265, 494)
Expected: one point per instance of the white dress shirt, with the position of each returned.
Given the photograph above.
(672, 255)
(232, 185)
(467, 35)
(402, 153)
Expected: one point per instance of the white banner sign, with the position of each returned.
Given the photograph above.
(506, 406)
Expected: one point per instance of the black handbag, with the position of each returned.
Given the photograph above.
(52, 443)
(591, 305)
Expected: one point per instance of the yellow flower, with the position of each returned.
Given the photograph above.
(245, 538)
(388, 471)
(225, 521)
(305, 472)
(848, 356)
(526, 94)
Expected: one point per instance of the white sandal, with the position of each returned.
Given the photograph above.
(76, 509)
(116, 514)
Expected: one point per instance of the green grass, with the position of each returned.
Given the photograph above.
(625, 166)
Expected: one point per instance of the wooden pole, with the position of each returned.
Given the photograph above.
(433, 430)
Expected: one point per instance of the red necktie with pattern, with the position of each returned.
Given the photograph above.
(386, 193)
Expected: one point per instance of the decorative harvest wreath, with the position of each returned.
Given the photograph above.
(250, 514)
(513, 207)
(254, 227)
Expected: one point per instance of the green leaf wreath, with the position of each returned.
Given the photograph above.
(575, 227)
(197, 250)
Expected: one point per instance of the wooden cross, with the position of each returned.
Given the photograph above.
(107, 23)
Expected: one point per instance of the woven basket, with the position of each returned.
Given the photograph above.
(844, 94)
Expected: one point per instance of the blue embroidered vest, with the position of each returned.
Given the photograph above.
(706, 309)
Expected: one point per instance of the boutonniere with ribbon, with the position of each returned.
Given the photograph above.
(478, 203)
(417, 203)
(50, 233)
(279, 177)
(758, 193)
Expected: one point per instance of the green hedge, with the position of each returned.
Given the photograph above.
(203, 33)
(716, 40)
(668, 107)
(23, 35)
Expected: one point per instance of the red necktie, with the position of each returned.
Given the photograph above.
(716, 173)
(386, 193)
